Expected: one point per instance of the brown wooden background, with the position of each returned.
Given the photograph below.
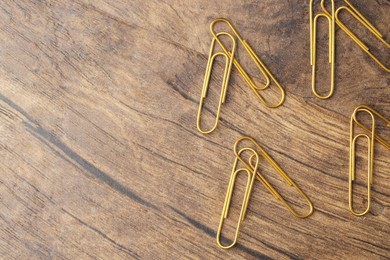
(101, 158)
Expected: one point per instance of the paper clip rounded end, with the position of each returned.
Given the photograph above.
(311, 210)
(220, 19)
(219, 243)
(322, 97)
(203, 131)
(217, 20)
(206, 131)
(218, 238)
(281, 101)
(296, 214)
(357, 213)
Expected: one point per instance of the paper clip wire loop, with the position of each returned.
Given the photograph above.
(229, 194)
(279, 170)
(376, 114)
(225, 80)
(360, 18)
(313, 48)
(371, 137)
(260, 65)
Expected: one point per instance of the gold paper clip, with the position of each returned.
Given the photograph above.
(371, 137)
(225, 81)
(313, 48)
(229, 194)
(358, 16)
(279, 170)
(260, 65)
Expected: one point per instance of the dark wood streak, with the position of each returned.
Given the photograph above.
(104, 177)
(371, 251)
(372, 244)
(176, 163)
(73, 156)
(212, 233)
(121, 247)
(101, 158)
(198, 135)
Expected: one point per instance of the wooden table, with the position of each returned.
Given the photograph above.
(101, 158)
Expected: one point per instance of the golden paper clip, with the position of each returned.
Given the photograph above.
(313, 48)
(225, 80)
(229, 194)
(371, 137)
(359, 17)
(260, 65)
(279, 170)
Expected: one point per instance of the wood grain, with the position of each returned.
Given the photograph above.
(101, 158)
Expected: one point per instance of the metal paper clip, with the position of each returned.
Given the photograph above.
(267, 185)
(229, 194)
(225, 81)
(371, 137)
(359, 17)
(313, 48)
(260, 65)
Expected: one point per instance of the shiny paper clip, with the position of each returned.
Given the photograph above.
(229, 194)
(360, 18)
(371, 137)
(260, 65)
(313, 48)
(225, 81)
(266, 184)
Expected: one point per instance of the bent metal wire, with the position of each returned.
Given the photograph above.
(360, 18)
(229, 194)
(259, 64)
(313, 47)
(225, 80)
(371, 137)
(261, 153)
(251, 168)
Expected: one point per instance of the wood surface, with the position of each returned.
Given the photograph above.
(101, 158)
